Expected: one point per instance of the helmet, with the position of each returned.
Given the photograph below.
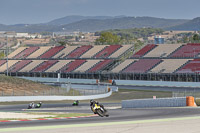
(91, 101)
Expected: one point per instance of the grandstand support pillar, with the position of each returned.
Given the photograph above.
(170, 77)
(195, 77)
(155, 76)
(99, 76)
(178, 77)
(186, 77)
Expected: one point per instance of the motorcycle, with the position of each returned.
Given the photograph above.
(31, 105)
(38, 105)
(75, 103)
(99, 109)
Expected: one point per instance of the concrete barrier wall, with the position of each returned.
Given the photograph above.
(52, 98)
(66, 80)
(157, 83)
(120, 82)
(159, 102)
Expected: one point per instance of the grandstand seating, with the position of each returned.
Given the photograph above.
(26, 52)
(58, 66)
(39, 52)
(93, 51)
(169, 65)
(100, 66)
(17, 51)
(163, 50)
(105, 53)
(31, 66)
(144, 50)
(10, 64)
(141, 66)
(72, 66)
(191, 67)
(163, 58)
(79, 51)
(123, 65)
(65, 52)
(44, 66)
(2, 62)
(189, 50)
(51, 52)
(121, 51)
(19, 65)
(87, 65)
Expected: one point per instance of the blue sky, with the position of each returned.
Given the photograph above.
(39, 11)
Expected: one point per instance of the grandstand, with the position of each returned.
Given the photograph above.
(187, 51)
(63, 53)
(144, 50)
(79, 51)
(30, 66)
(51, 52)
(26, 52)
(19, 65)
(38, 53)
(122, 65)
(170, 62)
(2, 62)
(169, 65)
(163, 50)
(55, 68)
(192, 66)
(3, 67)
(107, 51)
(72, 66)
(141, 66)
(93, 51)
(16, 52)
(99, 66)
(44, 66)
(86, 66)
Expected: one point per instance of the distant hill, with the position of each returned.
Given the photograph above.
(76, 18)
(121, 23)
(95, 23)
(193, 25)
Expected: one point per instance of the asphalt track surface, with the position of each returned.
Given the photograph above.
(116, 115)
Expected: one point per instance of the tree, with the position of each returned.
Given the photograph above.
(196, 37)
(107, 38)
(62, 43)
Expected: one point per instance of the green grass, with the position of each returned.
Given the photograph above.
(126, 94)
(197, 101)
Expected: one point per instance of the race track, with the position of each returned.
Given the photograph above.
(116, 114)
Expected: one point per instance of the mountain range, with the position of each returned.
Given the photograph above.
(99, 23)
